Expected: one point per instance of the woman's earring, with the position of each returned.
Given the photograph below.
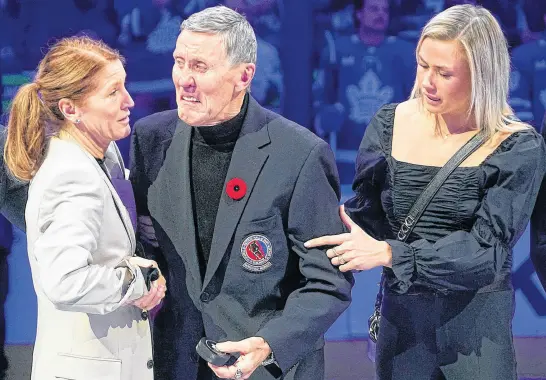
(78, 121)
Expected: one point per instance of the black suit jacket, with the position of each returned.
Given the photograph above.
(288, 295)
(538, 229)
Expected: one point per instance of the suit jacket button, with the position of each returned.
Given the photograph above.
(205, 297)
(144, 315)
(150, 364)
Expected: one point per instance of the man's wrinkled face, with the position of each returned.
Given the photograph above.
(204, 79)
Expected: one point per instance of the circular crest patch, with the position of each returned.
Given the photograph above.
(256, 251)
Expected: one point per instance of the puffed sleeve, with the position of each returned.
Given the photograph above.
(365, 207)
(470, 260)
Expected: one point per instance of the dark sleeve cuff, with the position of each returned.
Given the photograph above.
(403, 265)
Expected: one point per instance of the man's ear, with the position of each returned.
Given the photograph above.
(246, 73)
(69, 110)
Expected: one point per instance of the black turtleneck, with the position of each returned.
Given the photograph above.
(211, 150)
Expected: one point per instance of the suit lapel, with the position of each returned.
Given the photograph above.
(124, 215)
(114, 161)
(246, 163)
(170, 200)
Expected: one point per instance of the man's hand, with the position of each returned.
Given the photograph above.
(253, 352)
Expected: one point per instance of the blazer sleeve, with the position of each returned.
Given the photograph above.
(310, 310)
(538, 230)
(469, 260)
(70, 220)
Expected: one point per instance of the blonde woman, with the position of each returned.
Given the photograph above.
(448, 299)
(90, 288)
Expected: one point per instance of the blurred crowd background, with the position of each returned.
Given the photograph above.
(327, 64)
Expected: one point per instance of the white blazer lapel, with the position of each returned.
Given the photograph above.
(114, 161)
(122, 211)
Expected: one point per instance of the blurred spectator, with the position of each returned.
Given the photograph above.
(296, 53)
(506, 12)
(267, 85)
(162, 38)
(155, 19)
(149, 32)
(409, 16)
(156, 22)
(358, 74)
(450, 3)
(332, 19)
(96, 18)
(265, 16)
(9, 29)
(528, 78)
(41, 21)
(534, 20)
(193, 6)
(9, 16)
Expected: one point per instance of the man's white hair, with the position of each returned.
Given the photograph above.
(237, 34)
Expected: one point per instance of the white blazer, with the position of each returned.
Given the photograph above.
(78, 243)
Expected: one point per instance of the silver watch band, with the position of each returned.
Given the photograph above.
(269, 360)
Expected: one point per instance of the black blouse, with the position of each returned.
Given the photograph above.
(464, 239)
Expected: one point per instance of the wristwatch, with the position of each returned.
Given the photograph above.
(271, 365)
(270, 359)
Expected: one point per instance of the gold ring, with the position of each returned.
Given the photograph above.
(341, 260)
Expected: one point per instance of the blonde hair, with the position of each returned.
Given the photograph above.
(68, 71)
(486, 49)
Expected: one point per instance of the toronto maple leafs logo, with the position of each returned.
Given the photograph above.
(366, 98)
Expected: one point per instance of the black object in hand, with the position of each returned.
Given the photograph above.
(207, 350)
(151, 275)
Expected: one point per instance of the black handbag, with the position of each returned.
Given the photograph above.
(415, 213)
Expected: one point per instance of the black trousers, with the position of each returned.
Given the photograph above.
(3, 295)
(426, 336)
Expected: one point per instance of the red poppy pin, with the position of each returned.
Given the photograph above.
(236, 188)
